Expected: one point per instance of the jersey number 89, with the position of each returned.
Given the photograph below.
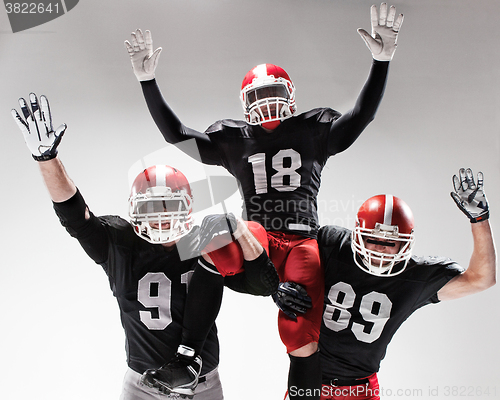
(375, 309)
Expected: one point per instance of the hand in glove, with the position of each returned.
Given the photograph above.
(469, 197)
(291, 298)
(140, 50)
(218, 229)
(385, 29)
(37, 129)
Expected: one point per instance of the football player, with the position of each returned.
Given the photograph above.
(277, 156)
(373, 283)
(141, 257)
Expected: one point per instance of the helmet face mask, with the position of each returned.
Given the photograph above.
(276, 91)
(267, 95)
(382, 240)
(160, 205)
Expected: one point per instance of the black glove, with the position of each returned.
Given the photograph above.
(259, 277)
(469, 197)
(291, 298)
(217, 225)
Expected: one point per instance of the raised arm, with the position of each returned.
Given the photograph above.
(481, 273)
(382, 44)
(144, 62)
(42, 140)
(383, 40)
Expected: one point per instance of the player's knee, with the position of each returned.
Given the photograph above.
(259, 233)
(262, 278)
(228, 259)
(306, 350)
(300, 333)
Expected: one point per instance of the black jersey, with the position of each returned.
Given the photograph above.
(279, 171)
(149, 283)
(362, 311)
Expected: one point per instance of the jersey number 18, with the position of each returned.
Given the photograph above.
(278, 180)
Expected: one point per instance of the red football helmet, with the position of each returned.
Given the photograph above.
(161, 204)
(267, 96)
(380, 219)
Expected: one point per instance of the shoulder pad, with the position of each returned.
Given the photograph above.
(226, 124)
(436, 260)
(329, 235)
(321, 115)
(116, 222)
(119, 229)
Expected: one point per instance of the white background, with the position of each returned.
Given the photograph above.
(61, 334)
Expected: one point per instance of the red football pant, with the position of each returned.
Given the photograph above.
(296, 258)
(369, 391)
(228, 257)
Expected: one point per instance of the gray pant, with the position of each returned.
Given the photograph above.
(211, 389)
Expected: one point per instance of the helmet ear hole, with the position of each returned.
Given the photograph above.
(161, 205)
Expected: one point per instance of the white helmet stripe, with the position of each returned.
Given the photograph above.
(161, 173)
(260, 70)
(389, 204)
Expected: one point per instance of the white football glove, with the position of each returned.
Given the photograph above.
(37, 129)
(385, 29)
(469, 197)
(144, 60)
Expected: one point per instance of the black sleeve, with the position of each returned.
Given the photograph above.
(349, 126)
(258, 278)
(437, 271)
(172, 128)
(89, 232)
